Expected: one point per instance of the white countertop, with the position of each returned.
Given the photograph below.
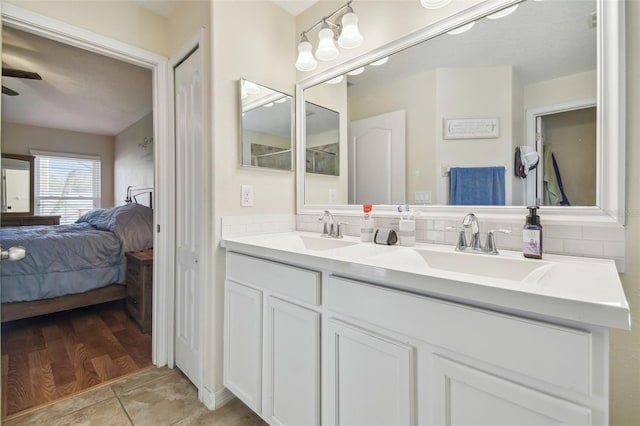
(578, 289)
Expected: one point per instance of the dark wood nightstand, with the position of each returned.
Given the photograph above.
(140, 287)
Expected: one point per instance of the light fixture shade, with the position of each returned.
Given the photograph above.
(336, 80)
(504, 12)
(434, 4)
(462, 29)
(327, 50)
(305, 61)
(350, 36)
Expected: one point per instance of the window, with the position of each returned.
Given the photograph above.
(66, 185)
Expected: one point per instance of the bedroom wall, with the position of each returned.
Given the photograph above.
(20, 139)
(133, 158)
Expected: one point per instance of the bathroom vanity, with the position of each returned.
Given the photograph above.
(334, 331)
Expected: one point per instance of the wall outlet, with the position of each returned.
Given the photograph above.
(422, 197)
(332, 196)
(246, 196)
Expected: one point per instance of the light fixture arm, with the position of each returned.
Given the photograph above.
(326, 20)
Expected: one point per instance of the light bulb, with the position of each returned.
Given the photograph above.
(357, 71)
(305, 61)
(350, 36)
(326, 50)
(336, 80)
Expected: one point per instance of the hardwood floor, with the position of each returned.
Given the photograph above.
(50, 357)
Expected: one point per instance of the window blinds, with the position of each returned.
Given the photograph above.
(66, 185)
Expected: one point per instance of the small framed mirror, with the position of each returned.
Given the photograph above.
(266, 133)
(17, 184)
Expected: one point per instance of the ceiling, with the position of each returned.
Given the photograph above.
(79, 91)
(295, 7)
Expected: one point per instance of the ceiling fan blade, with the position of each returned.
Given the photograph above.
(12, 72)
(7, 91)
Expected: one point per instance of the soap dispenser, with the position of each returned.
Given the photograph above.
(532, 235)
(366, 224)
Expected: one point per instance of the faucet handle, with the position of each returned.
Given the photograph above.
(338, 229)
(490, 246)
(462, 238)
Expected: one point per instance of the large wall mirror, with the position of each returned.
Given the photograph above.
(266, 127)
(455, 100)
(17, 184)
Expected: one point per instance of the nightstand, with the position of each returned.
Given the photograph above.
(140, 287)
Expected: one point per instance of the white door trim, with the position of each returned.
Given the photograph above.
(198, 41)
(163, 266)
(531, 116)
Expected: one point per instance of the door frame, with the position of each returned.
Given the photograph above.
(163, 267)
(198, 41)
(532, 140)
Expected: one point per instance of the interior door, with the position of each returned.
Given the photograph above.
(189, 214)
(377, 159)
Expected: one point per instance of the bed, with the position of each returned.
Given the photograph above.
(75, 265)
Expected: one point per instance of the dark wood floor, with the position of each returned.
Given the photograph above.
(53, 356)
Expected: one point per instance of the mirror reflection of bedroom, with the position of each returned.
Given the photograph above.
(77, 194)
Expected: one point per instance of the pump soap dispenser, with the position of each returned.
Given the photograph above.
(532, 235)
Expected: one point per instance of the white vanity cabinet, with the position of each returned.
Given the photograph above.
(272, 339)
(472, 366)
(374, 351)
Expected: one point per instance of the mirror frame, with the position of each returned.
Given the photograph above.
(241, 130)
(31, 160)
(610, 168)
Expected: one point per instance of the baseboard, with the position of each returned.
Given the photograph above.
(215, 400)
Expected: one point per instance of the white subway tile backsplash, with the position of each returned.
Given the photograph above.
(605, 233)
(584, 248)
(578, 240)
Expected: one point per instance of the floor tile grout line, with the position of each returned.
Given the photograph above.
(126, 413)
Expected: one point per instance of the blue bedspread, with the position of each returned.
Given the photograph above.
(63, 259)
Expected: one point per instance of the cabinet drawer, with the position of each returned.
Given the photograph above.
(298, 283)
(557, 355)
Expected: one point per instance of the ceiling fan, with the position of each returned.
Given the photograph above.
(12, 72)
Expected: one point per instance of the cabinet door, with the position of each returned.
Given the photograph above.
(370, 378)
(465, 395)
(292, 364)
(243, 343)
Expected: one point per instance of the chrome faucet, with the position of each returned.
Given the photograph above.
(470, 221)
(330, 228)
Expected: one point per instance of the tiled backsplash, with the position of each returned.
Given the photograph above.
(573, 240)
(238, 226)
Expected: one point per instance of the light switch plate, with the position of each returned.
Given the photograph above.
(246, 196)
(422, 197)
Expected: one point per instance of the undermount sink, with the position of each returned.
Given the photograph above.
(482, 265)
(321, 244)
(507, 268)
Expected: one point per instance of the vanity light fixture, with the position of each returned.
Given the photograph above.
(504, 12)
(336, 80)
(346, 32)
(462, 29)
(434, 4)
(380, 61)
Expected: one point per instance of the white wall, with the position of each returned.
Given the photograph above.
(255, 40)
(20, 139)
(133, 160)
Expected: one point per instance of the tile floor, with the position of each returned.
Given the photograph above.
(157, 396)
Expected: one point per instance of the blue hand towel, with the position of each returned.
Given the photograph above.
(477, 186)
